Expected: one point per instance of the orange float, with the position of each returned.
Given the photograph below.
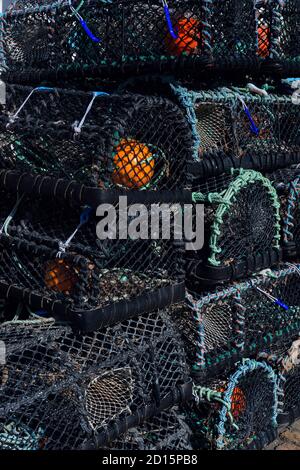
(60, 276)
(187, 30)
(238, 401)
(134, 164)
(263, 33)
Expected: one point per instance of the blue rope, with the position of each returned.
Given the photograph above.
(168, 18)
(83, 24)
(248, 366)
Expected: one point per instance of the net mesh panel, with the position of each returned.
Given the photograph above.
(247, 224)
(224, 128)
(252, 401)
(289, 43)
(287, 362)
(217, 322)
(263, 317)
(130, 33)
(287, 183)
(127, 142)
(239, 321)
(291, 391)
(237, 29)
(57, 387)
(167, 431)
(88, 273)
(214, 126)
(49, 38)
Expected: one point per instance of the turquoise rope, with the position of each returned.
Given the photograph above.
(247, 366)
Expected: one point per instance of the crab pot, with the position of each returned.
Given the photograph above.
(47, 39)
(286, 41)
(105, 141)
(225, 325)
(236, 411)
(242, 228)
(54, 257)
(263, 138)
(87, 390)
(287, 184)
(166, 431)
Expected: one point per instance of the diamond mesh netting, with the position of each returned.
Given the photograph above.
(287, 361)
(46, 39)
(287, 42)
(287, 184)
(236, 411)
(242, 230)
(51, 255)
(116, 36)
(60, 390)
(233, 127)
(167, 431)
(105, 141)
(240, 320)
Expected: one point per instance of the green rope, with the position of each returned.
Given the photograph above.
(212, 198)
(207, 394)
(244, 178)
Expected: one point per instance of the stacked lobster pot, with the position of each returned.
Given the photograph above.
(89, 315)
(120, 332)
(240, 323)
(46, 40)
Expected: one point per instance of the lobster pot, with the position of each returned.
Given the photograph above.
(45, 39)
(239, 321)
(287, 42)
(106, 141)
(241, 231)
(226, 135)
(237, 411)
(166, 431)
(86, 389)
(287, 184)
(117, 37)
(58, 256)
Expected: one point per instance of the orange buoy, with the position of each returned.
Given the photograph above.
(188, 39)
(238, 401)
(60, 276)
(134, 164)
(263, 33)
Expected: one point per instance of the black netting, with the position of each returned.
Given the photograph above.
(58, 389)
(46, 39)
(224, 128)
(261, 314)
(167, 431)
(133, 34)
(127, 142)
(287, 184)
(241, 227)
(291, 392)
(288, 43)
(240, 30)
(287, 363)
(241, 407)
(42, 255)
